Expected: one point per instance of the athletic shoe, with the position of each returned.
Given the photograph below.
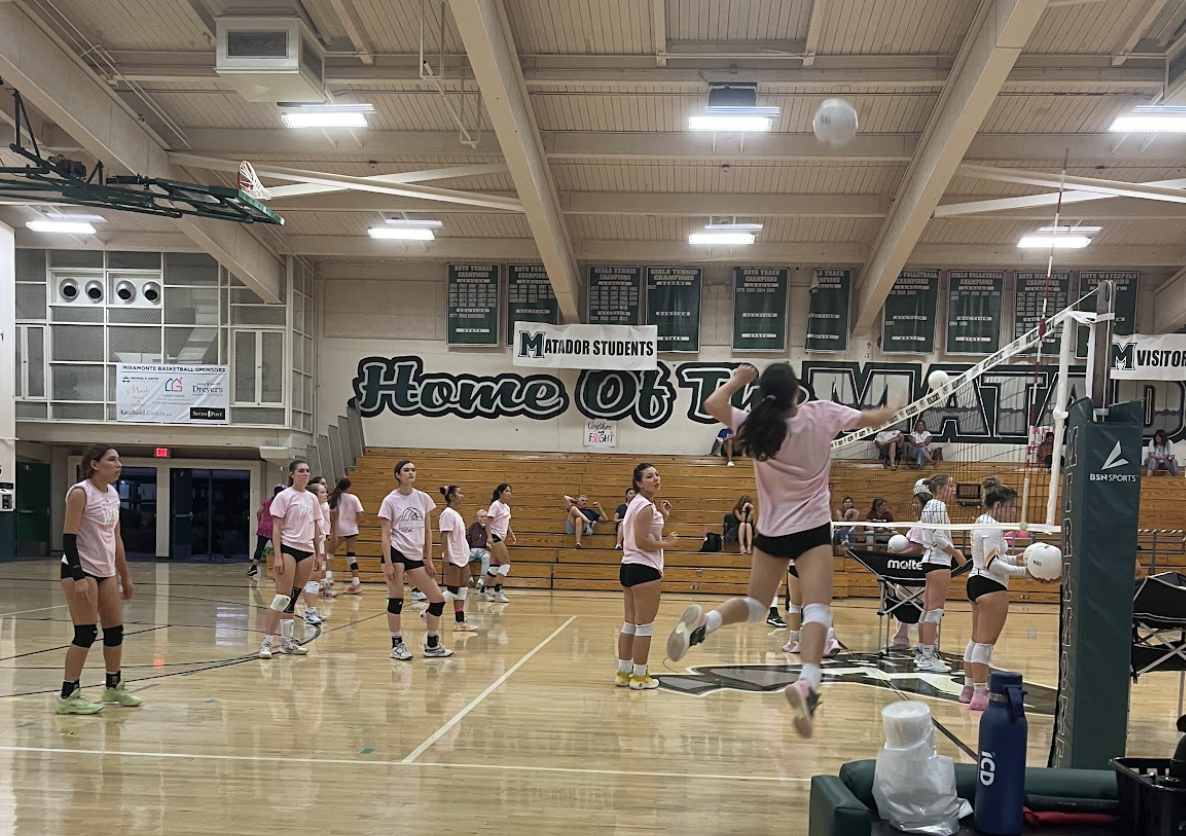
(790, 647)
(488, 597)
(464, 627)
(77, 704)
(966, 694)
(775, 620)
(354, 589)
(728, 464)
(254, 570)
(643, 683)
(687, 633)
(400, 652)
(120, 694)
(438, 652)
(618, 547)
(418, 597)
(312, 618)
(329, 593)
(293, 648)
(803, 700)
(622, 680)
(979, 701)
(265, 651)
(500, 598)
(932, 664)
(833, 649)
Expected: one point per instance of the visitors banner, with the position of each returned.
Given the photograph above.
(908, 318)
(614, 295)
(759, 309)
(827, 314)
(471, 313)
(974, 311)
(616, 347)
(1149, 357)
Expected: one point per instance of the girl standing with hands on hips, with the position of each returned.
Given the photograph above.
(94, 556)
(791, 447)
(641, 576)
(498, 528)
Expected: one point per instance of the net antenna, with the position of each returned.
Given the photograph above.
(250, 184)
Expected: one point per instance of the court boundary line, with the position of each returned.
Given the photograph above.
(476, 701)
(37, 609)
(769, 779)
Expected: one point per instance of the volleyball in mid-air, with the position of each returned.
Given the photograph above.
(835, 123)
(1044, 561)
(937, 378)
(898, 543)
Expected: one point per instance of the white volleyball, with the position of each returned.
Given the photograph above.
(1044, 561)
(937, 378)
(835, 123)
(898, 543)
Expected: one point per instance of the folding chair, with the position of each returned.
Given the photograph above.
(1159, 628)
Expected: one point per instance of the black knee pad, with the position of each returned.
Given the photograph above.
(436, 608)
(85, 635)
(113, 636)
(453, 590)
(291, 608)
(395, 605)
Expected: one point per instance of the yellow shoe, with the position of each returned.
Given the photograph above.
(622, 680)
(643, 683)
(121, 695)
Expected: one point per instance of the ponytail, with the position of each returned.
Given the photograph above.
(498, 491)
(449, 493)
(765, 430)
(936, 483)
(336, 497)
(995, 492)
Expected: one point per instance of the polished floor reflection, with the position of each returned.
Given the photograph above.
(522, 728)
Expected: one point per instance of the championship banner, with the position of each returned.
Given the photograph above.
(908, 318)
(1126, 304)
(530, 297)
(673, 306)
(1027, 303)
(632, 348)
(1149, 357)
(148, 394)
(759, 309)
(614, 295)
(471, 306)
(827, 314)
(974, 311)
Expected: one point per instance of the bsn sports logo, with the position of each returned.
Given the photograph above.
(1115, 459)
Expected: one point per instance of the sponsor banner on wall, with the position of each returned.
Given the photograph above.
(614, 295)
(471, 306)
(1126, 303)
(624, 347)
(673, 306)
(908, 318)
(529, 297)
(759, 309)
(974, 311)
(1027, 303)
(148, 394)
(827, 314)
(1149, 357)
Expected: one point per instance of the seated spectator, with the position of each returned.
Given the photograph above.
(739, 525)
(722, 445)
(844, 535)
(476, 539)
(579, 518)
(1160, 455)
(889, 443)
(1045, 452)
(619, 515)
(878, 513)
(919, 448)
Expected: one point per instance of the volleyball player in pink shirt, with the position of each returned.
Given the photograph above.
(94, 555)
(296, 527)
(791, 446)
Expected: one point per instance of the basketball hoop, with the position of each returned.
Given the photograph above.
(249, 182)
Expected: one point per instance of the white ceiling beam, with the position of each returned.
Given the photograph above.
(718, 50)
(362, 184)
(998, 34)
(404, 177)
(814, 27)
(1116, 188)
(486, 34)
(53, 82)
(1003, 204)
(135, 241)
(1143, 20)
(1105, 208)
(1169, 304)
(354, 29)
(659, 31)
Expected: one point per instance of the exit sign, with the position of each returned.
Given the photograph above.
(162, 452)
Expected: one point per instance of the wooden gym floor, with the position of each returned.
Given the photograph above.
(521, 729)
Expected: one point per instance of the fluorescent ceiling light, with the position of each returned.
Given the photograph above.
(75, 216)
(401, 233)
(413, 223)
(324, 119)
(68, 227)
(1059, 242)
(734, 119)
(735, 227)
(1073, 230)
(721, 239)
(1152, 119)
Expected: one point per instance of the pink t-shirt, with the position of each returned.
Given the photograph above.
(453, 537)
(299, 514)
(793, 485)
(96, 531)
(500, 519)
(327, 525)
(264, 529)
(349, 507)
(631, 553)
(407, 515)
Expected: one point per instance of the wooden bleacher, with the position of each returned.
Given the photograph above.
(701, 490)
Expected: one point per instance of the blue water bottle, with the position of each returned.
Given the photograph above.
(1000, 784)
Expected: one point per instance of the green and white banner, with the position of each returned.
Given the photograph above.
(908, 318)
(614, 295)
(1125, 323)
(759, 309)
(827, 314)
(1027, 303)
(471, 306)
(673, 306)
(529, 297)
(974, 311)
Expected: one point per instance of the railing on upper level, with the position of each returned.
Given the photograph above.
(339, 448)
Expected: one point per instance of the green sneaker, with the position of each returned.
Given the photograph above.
(121, 695)
(77, 704)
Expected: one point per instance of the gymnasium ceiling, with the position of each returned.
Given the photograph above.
(589, 135)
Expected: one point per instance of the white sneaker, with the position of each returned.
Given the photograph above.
(438, 652)
(833, 649)
(500, 598)
(265, 650)
(312, 618)
(728, 464)
(931, 664)
(293, 647)
(488, 597)
(400, 652)
(417, 597)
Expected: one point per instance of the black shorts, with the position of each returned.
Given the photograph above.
(495, 538)
(792, 571)
(408, 564)
(296, 554)
(927, 567)
(791, 546)
(66, 573)
(979, 585)
(632, 574)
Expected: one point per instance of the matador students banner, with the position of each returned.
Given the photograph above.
(617, 347)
